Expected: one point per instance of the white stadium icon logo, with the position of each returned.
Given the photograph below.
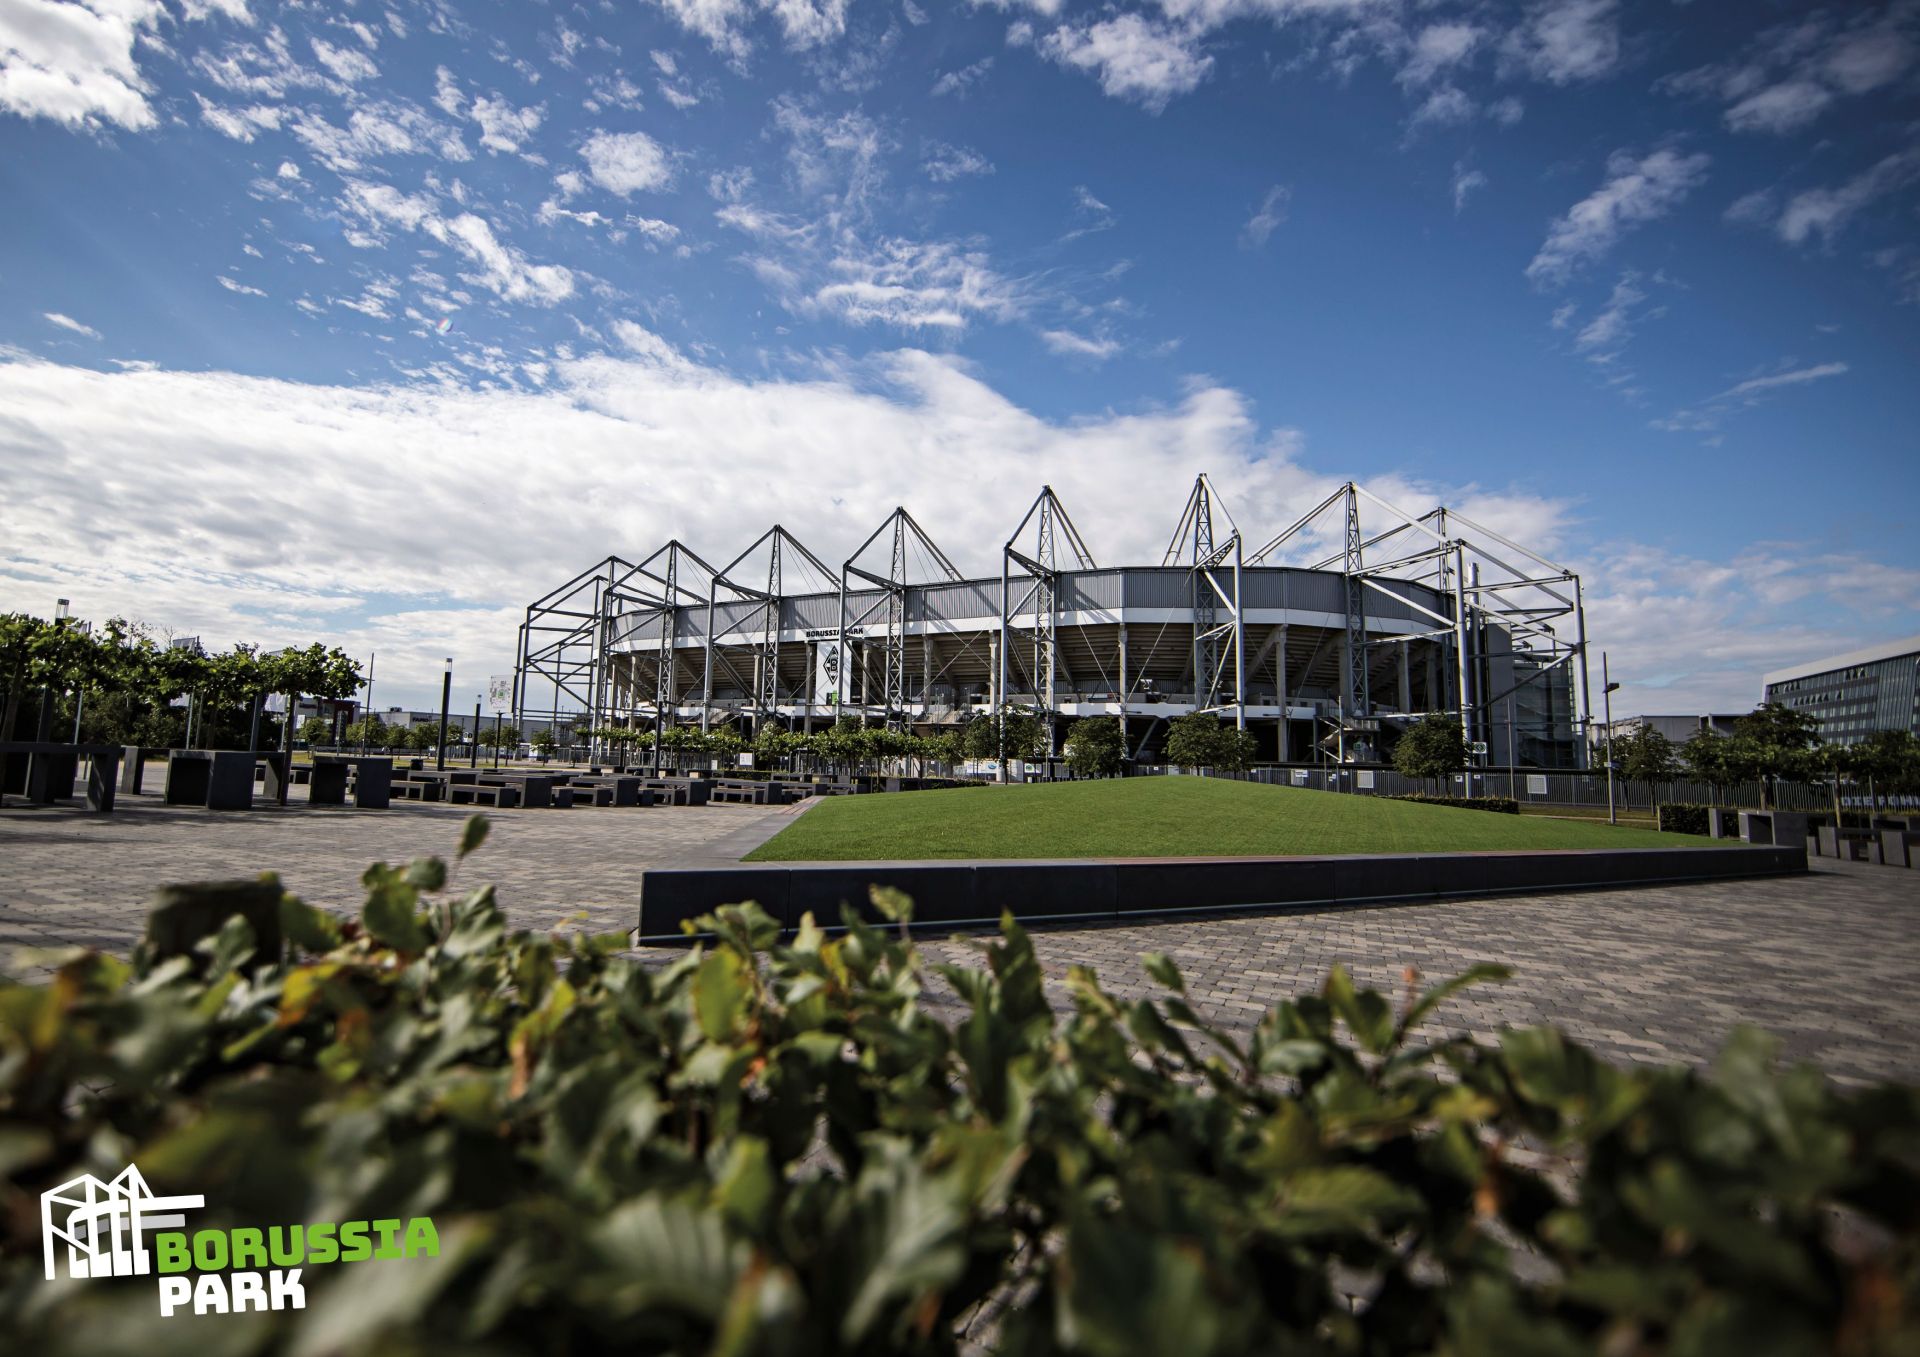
(103, 1224)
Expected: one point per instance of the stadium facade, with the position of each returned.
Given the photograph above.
(1324, 640)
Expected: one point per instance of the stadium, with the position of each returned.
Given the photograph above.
(1324, 640)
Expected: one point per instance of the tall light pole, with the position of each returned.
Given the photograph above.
(473, 750)
(1606, 698)
(446, 696)
(366, 716)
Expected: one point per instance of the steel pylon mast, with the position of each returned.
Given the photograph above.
(904, 537)
(1213, 570)
(763, 622)
(1052, 528)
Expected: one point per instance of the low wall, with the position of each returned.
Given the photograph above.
(948, 893)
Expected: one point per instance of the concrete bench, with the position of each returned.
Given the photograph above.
(411, 790)
(372, 780)
(473, 794)
(51, 770)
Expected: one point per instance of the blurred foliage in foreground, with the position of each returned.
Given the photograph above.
(773, 1146)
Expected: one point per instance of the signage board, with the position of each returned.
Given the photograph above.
(1364, 779)
(500, 694)
(1536, 784)
(826, 672)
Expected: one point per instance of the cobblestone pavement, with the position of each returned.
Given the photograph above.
(1829, 962)
(67, 877)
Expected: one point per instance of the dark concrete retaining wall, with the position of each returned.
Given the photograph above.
(947, 893)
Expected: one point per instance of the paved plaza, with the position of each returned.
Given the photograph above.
(1829, 962)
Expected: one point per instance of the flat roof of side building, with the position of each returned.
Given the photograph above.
(1886, 650)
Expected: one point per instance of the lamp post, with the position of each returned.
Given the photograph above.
(366, 717)
(446, 695)
(473, 750)
(1607, 687)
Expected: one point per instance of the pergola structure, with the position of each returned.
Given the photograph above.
(1350, 622)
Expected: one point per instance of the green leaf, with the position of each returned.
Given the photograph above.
(389, 917)
(1366, 1013)
(720, 993)
(1160, 966)
(307, 928)
(473, 833)
(427, 874)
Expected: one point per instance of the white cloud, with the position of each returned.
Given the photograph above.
(243, 289)
(345, 63)
(1635, 191)
(1707, 416)
(240, 123)
(1135, 58)
(374, 131)
(1563, 41)
(913, 285)
(73, 63)
(1603, 337)
(1437, 50)
(944, 164)
(803, 23)
(1791, 74)
(1798, 377)
(235, 10)
(67, 322)
(266, 69)
(1827, 211)
(503, 269)
(1266, 218)
(500, 268)
(1779, 108)
(502, 127)
(1465, 181)
(1446, 106)
(624, 446)
(447, 93)
(959, 82)
(627, 162)
(1072, 345)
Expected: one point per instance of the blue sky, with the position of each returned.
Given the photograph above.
(1638, 280)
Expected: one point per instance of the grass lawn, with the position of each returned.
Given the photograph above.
(1166, 817)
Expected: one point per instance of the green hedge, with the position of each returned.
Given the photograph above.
(1504, 805)
(1682, 818)
(769, 1146)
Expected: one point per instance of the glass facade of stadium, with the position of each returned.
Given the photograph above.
(1321, 660)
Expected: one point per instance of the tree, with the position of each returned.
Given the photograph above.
(315, 731)
(544, 741)
(1016, 734)
(1434, 747)
(1773, 741)
(1234, 749)
(1645, 755)
(1095, 747)
(1890, 761)
(1708, 757)
(1193, 741)
(424, 736)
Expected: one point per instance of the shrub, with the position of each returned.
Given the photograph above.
(1503, 805)
(772, 1146)
(1680, 818)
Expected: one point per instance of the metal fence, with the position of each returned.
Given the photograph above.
(1569, 789)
